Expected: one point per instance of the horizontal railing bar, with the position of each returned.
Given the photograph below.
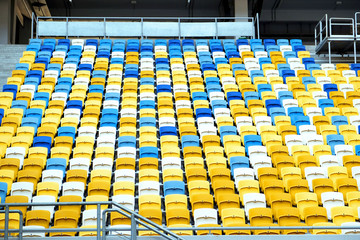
(144, 18)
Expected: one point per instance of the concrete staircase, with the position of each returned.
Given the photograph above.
(10, 55)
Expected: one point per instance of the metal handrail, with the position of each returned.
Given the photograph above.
(333, 22)
(319, 30)
(357, 23)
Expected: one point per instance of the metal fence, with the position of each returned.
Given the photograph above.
(145, 27)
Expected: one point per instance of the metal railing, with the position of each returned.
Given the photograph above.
(144, 27)
(321, 30)
(357, 25)
(102, 231)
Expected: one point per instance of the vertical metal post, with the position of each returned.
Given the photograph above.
(326, 25)
(37, 27)
(142, 28)
(21, 227)
(67, 27)
(355, 58)
(32, 25)
(179, 28)
(6, 234)
(329, 50)
(258, 25)
(98, 222)
(133, 228)
(216, 28)
(104, 27)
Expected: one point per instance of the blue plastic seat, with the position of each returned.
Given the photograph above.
(238, 162)
(3, 191)
(357, 150)
(22, 104)
(212, 80)
(339, 120)
(117, 61)
(218, 104)
(108, 122)
(67, 132)
(213, 88)
(312, 66)
(43, 141)
(127, 141)
(208, 67)
(227, 130)
(330, 87)
(251, 140)
(147, 81)
(299, 121)
(264, 88)
(272, 103)
(64, 81)
(74, 104)
(283, 66)
(161, 61)
(355, 67)
(110, 112)
(233, 96)
(294, 42)
(272, 48)
(31, 122)
(298, 48)
(255, 41)
(168, 130)
(63, 88)
(175, 54)
(256, 73)
(287, 73)
(174, 187)
(251, 96)
(163, 88)
(147, 104)
(64, 42)
(295, 111)
(242, 42)
(203, 112)
(190, 141)
(56, 164)
(256, 48)
(34, 112)
(199, 96)
(290, 54)
(269, 42)
(149, 152)
(2, 114)
(32, 81)
(308, 80)
(264, 60)
(147, 122)
(333, 140)
(96, 89)
(160, 42)
(11, 88)
(112, 96)
(85, 67)
(324, 103)
(281, 42)
(274, 112)
(282, 95)
(92, 42)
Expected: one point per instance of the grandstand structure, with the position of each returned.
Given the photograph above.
(179, 128)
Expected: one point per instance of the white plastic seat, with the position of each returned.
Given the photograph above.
(87, 131)
(191, 61)
(59, 96)
(307, 131)
(330, 200)
(109, 132)
(202, 48)
(104, 141)
(221, 112)
(70, 67)
(346, 88)
(280, 87)
(128, 112)
(33, 234)
(293, 61)
(207, 130)
(343, 150)
(244, 121)
(59, 54)
(177, 67)
(355, 171)
(126, 152)
(127, 201)
(166, 121)
(216, 96)
(323, 80)
(241, 174)
(251, 61)
(312, 140)
(79, 42)
(120, 232)
(147, 96)
(271, 73)
(287, 103)
(253, 200)
(16, 152)
(73, 188)
(103, 163)
(328, 161)
(117, 54)
(312, 173)
(256, 152)
(205, 216)
(261, 54)
(160, 48)
(355, 120)
(182, 104)
(87, 60)
(227, 80)
(262, 121)
(111, 104)
(285, 48)
(113, 88)
(327, 66)
(170, 162)
(244, 48)
(163, 80)
(22, 189)
(52, 74)
(89, 217)
(146, 66)
(53, 175)
(348, 73)
(180, 88)
(72, 112)
(28, 88)
(252, 66)
(356, 230)
(115, 74)
(80, 163)
(44, 199)
(194, 73)
(81, 81)
(356, 103)
(218, 55)
(125, 175)
(89, 48)
(205, 121)
(296, 66)
(313, 111)
(293, 140)
(149, 188)
(260, 163)
(319, 95)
